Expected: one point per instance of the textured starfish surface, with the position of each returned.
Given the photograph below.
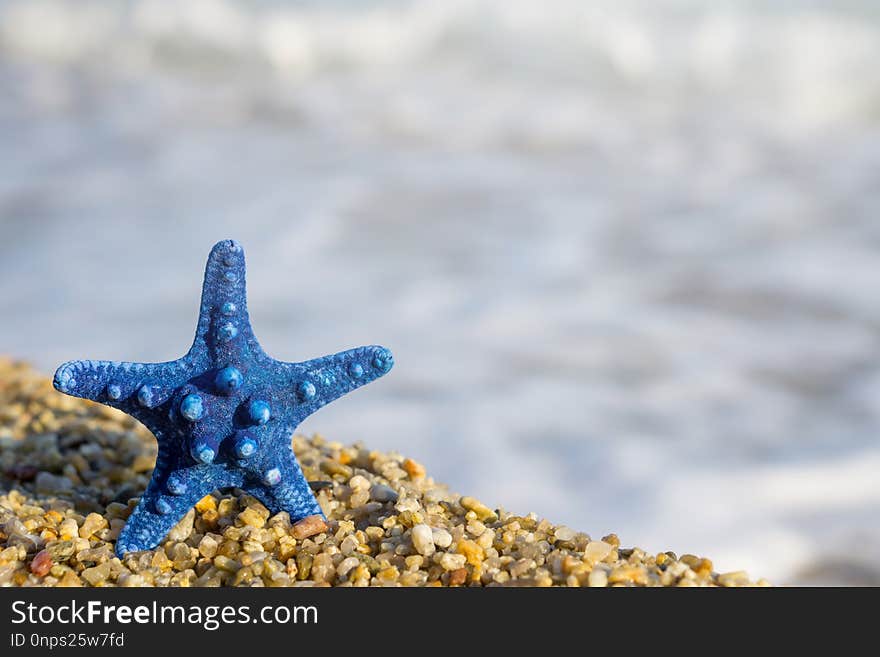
(224, 413)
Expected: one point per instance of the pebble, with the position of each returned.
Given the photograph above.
(97, 575)
(68, 529)
(458, 577)
(563, 533)
(184, 528)
(308, 526)
(46, 482)
(736, 578)
(423, 539)
(208, 546)
(252, 517)
(346, 566)
(414, 469)
(382, 493)
(596, 551)
(359, 482)
(451, 561)
(349, 545)
(482, 512)
(441, 537)
(61, 550)
(91, 524)
(41, 563)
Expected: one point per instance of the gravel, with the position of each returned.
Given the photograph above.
(71, 471)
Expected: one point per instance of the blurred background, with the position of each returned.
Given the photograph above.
(626, 252)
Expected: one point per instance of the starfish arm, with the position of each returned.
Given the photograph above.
(315, 383)
(292, 494)
(136, 388)
(174, 489)
(223, 332)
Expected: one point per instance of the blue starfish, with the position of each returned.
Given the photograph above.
(223, 414)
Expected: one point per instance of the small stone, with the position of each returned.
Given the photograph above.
(98, 575)
(252, 518)
(308, 526)
(423, 540)
(70, 580)
(208, 546)
(736, 578)
(182, 556)
(68, 529)
(414, 561)
(91, 524)
(160, 560)
(441, 537)
(596, 551)
(414, 469)
(471, 551)
(46, 482)
(408, 504)
(476, 528)
(483, 512)
(61, 550)
(382, 493)
(628, 574)
(41, 563)
(359, 482)
(598, 578)
(304, 565)
(349, 545)
(207, 503)
(521, 567)
(227, 564)
(130, 580)
(486, 539)
(346, 566)
(359, 498)
(451, 561)
(458, 577)
(501, 577)
(322, 568)
(564, 533)
(182, 530)
(336, 468)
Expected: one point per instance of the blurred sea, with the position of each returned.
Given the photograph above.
(626, 252)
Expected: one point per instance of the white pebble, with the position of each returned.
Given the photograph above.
(442, 538)
(564, 533)
(452, 561)
(408, 504)
(359, 482)
(596, 551)
(346, 565)
(349, 545)
(476, 528)
(423, 540)
(598, 578)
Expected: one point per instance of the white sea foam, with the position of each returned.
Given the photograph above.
(624, 252)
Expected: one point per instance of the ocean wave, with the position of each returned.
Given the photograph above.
(556, 62)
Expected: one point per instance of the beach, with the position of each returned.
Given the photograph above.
(622, 250)
(72, 471)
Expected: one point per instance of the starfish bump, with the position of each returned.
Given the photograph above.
(224, 413)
